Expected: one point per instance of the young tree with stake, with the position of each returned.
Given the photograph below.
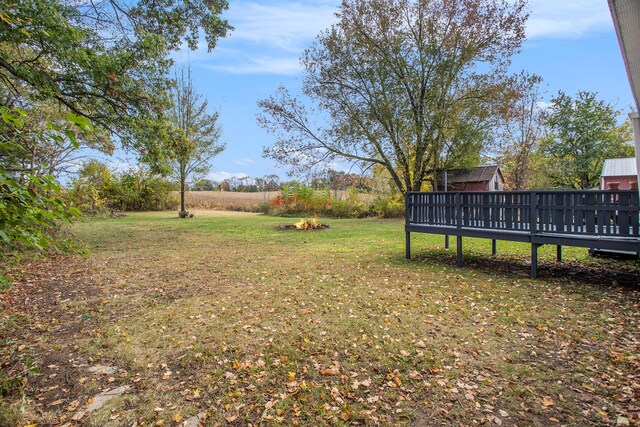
(194, 136)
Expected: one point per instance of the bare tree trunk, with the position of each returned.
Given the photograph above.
(183, 211)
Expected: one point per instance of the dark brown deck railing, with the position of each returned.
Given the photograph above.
(592, 219)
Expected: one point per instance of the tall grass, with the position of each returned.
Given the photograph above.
(301, 199)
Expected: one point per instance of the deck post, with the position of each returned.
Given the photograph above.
(534, 260)
(559, 253)
(408, 245)
(459, 251)
(494, 249)
(407, 217)
(446, 241)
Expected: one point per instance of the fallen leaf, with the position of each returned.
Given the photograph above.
(547, 401)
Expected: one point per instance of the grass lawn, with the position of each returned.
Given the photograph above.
(223, 315)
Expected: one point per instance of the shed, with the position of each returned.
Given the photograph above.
(619, 174)
(482, 178)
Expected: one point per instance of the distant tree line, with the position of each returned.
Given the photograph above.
(329, 179)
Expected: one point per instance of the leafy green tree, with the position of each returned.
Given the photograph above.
(31, 210)
(582, 133)
(106, 60)
(204, 185)
(93, 188)
(101, 66)
(194, 136)
(408, 85)
(140, 189)
(98, 188)
(269, 182)
(49, 145)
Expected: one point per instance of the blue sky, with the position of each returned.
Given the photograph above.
(571, 44)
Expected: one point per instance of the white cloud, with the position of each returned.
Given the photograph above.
(244, 162)
(264, 65)
(121, 165)
(268, 38)
(543, 105)
(284, 25)
(567, 18)
(221, 176)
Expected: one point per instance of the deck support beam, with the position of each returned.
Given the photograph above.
(494, 248)
(407, 245)
(559, 253)
(534, 260)
(459, 251)
(446, 241)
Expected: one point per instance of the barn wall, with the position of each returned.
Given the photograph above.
(625, 181)
(491, 185)
(476, 186)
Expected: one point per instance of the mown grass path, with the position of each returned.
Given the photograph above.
(223, 315)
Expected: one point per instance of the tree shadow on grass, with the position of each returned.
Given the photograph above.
(600, 272)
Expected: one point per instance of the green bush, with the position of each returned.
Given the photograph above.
(351, 207)
(98, 190)
(391, 206)
(31, 210)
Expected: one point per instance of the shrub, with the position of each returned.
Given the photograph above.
(31, 211)
(351, 207)
(98, 190)
(391, 206)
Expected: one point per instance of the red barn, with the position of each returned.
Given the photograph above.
(619, 174)
(483, 178)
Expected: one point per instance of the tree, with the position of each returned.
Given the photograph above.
(194, 139)
(106, 60)
(204, 185)
(269, 182)
(403, 84)
(30, 207)
(45, 150)
(101, 68)
(93, 187)
(520, 134)
(583, 132)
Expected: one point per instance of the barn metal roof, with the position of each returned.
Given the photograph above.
(479, 174)
(619, 167)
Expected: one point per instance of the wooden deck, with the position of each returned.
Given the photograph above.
(591, 219)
